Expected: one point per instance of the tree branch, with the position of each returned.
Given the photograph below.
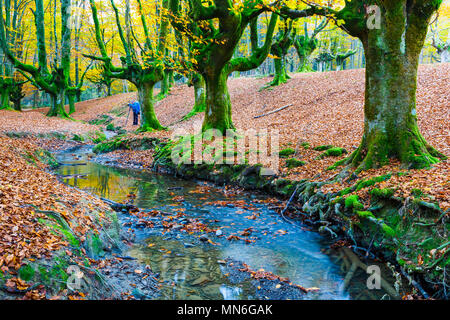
(258, 54)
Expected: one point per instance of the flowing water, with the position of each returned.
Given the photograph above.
(194, 270)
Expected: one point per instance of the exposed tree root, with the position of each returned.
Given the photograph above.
(420, 155)
(356, 263)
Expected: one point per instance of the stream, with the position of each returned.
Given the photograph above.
(194, 269)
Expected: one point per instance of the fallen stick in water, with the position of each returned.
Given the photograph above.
(73, 164)
(70, 176)
(119, 206)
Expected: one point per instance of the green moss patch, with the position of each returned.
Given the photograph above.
(324, 148)
(103, 119)
(382, 193)
(286, 152)
(352, 202)
(122, 143)
(294, 163)
(333, 152)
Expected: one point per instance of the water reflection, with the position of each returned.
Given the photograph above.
(193, 273)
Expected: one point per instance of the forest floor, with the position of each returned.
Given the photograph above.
(325, 109)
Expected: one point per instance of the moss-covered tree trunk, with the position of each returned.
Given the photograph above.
(144, 74)
(218, 103)
(57, 107)
(280, 47)
(55, 83)
(78, 95)
(149, 121)
(17, 105)
(392, 48)
(16, 95)
(390, 124)
(4, 98)
(281, 75)
(71, 98)
(304, 47)
(215, 58)
(200, 94)
(198, 82)
(165, 85)
(302, 65)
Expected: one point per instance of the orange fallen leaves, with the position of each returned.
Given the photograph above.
(262, 274)
(24, 186)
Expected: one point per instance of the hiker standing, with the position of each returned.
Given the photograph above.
(136, 108)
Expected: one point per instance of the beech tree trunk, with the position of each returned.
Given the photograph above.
(71, 98)
(444, 55)
(149, 121)
(57, 107)
(4, 98)
(198, 82)
(302, 64)
(165, 85)
(218, 103)
(281, 75)
(390, 125)
(200, 94)
(18, 105)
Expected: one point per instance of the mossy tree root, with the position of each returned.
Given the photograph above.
(412, 151)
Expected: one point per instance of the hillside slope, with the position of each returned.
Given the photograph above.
(327, 109)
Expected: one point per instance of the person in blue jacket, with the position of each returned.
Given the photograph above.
(136, 108)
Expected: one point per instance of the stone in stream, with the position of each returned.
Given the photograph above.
(212, 290)
(204, 238)
(200, 281)
(189, 245)
(138, 294)
(219, 233)
(140, 225)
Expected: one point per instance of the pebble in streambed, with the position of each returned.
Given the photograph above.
(265, 289)
(131, 280)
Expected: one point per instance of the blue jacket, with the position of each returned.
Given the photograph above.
(136, 107)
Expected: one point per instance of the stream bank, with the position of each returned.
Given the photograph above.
(50, 233)
(410, 234)
(209, 242)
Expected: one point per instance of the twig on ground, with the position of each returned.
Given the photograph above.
(288, 204)
(274, 111)
(415, 284)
